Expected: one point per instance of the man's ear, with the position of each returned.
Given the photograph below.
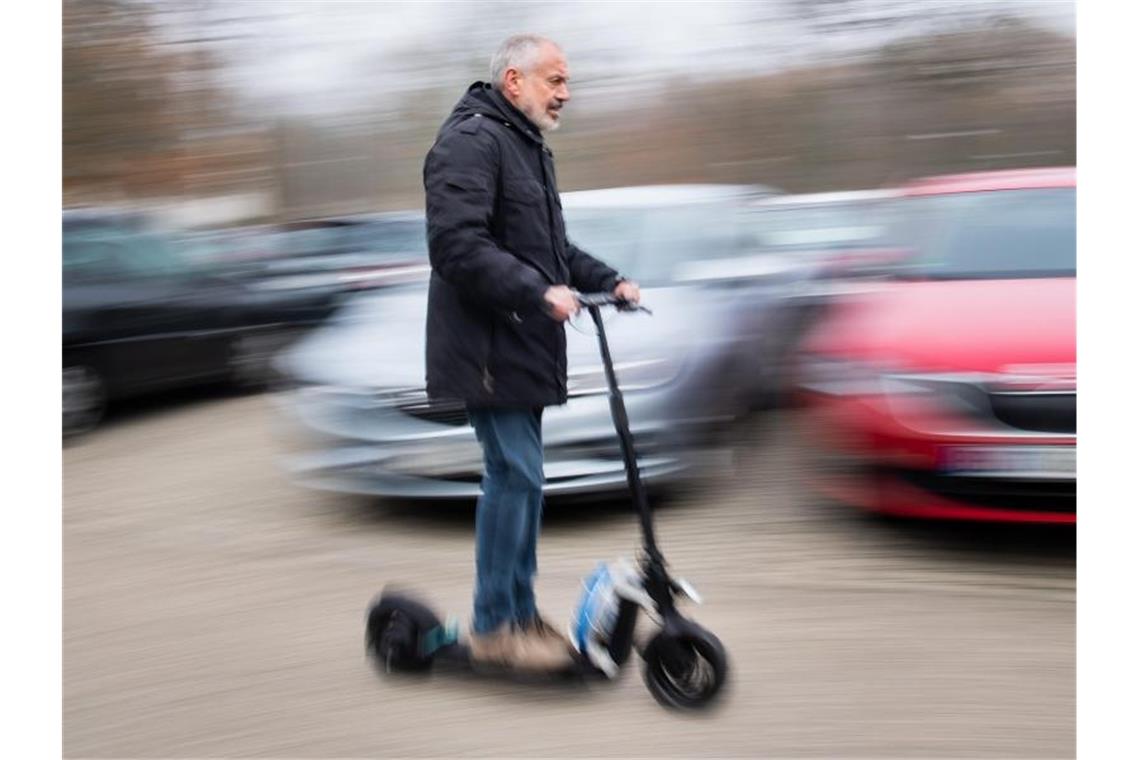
(511, 81)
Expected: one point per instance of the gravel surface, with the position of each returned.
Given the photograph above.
(214, 609)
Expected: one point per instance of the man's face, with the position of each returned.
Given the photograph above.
(540, 92)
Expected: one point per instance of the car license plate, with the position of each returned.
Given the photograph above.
(1029, 462)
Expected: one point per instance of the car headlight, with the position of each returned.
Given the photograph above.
(837, 376)
(631, 376)
(361, 399)
(834, 376)
(841, 376)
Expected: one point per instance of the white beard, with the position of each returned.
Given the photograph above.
(542, 120)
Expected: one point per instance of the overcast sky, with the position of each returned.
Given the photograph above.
(314, 56)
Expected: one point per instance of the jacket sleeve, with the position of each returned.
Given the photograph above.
(587, 274)
(459, 180)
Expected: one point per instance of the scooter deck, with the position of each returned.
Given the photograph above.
(459, 654)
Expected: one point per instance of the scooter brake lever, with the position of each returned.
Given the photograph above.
(686, 588)
(633, 307)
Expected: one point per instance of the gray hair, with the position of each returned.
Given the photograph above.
(517, 52)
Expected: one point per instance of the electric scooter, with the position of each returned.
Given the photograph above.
(685, 664)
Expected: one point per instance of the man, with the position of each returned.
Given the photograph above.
(502, 285)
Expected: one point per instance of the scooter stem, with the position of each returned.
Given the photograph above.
(625, 439)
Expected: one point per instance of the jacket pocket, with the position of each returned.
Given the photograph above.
(466, 182)
(528, 192)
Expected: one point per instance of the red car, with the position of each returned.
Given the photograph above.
(949, 390)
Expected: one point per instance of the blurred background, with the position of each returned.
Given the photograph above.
(855, 402)
(298, 109)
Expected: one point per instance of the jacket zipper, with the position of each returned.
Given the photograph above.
(488, 378)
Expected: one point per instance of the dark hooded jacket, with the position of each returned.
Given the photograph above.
(497, 241)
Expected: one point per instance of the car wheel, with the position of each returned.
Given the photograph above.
(84, 400)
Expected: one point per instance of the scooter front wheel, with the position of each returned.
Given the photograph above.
(685, 670)
(396, 627)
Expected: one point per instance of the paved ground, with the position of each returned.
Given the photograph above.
(213, 609)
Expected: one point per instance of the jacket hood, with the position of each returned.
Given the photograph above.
(482, 98)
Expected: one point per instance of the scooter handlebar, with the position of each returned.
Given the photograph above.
(608, 299)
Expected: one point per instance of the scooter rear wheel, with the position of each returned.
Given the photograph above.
(396, 628)
(685, 671)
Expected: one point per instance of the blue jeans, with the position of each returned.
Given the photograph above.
(509, 515)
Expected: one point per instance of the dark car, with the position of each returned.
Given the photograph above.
(141, 314)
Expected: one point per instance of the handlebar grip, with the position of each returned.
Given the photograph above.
(596, 299)
(608, 299)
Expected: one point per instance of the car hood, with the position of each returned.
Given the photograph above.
(956, 326)
(377, 340)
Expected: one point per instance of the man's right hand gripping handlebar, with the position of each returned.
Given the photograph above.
(561, 302)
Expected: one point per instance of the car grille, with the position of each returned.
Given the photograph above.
(1044, 412)
(451, 413)
(600, 449)
(1024, 495)
(1036, 411)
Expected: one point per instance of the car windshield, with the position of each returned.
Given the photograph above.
(649, 244)
(786, 229)
(391, 237)
(314, 241)
(382, 238)
(101, 252)
(1000, 234)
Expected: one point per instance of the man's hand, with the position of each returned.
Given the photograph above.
(628, 291)
(561, 303)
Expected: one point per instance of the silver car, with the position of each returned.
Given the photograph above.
(360, 420)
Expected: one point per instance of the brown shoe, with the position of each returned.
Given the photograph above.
(514, 649)
(501, 647)
(545, 647)
(540, 627)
